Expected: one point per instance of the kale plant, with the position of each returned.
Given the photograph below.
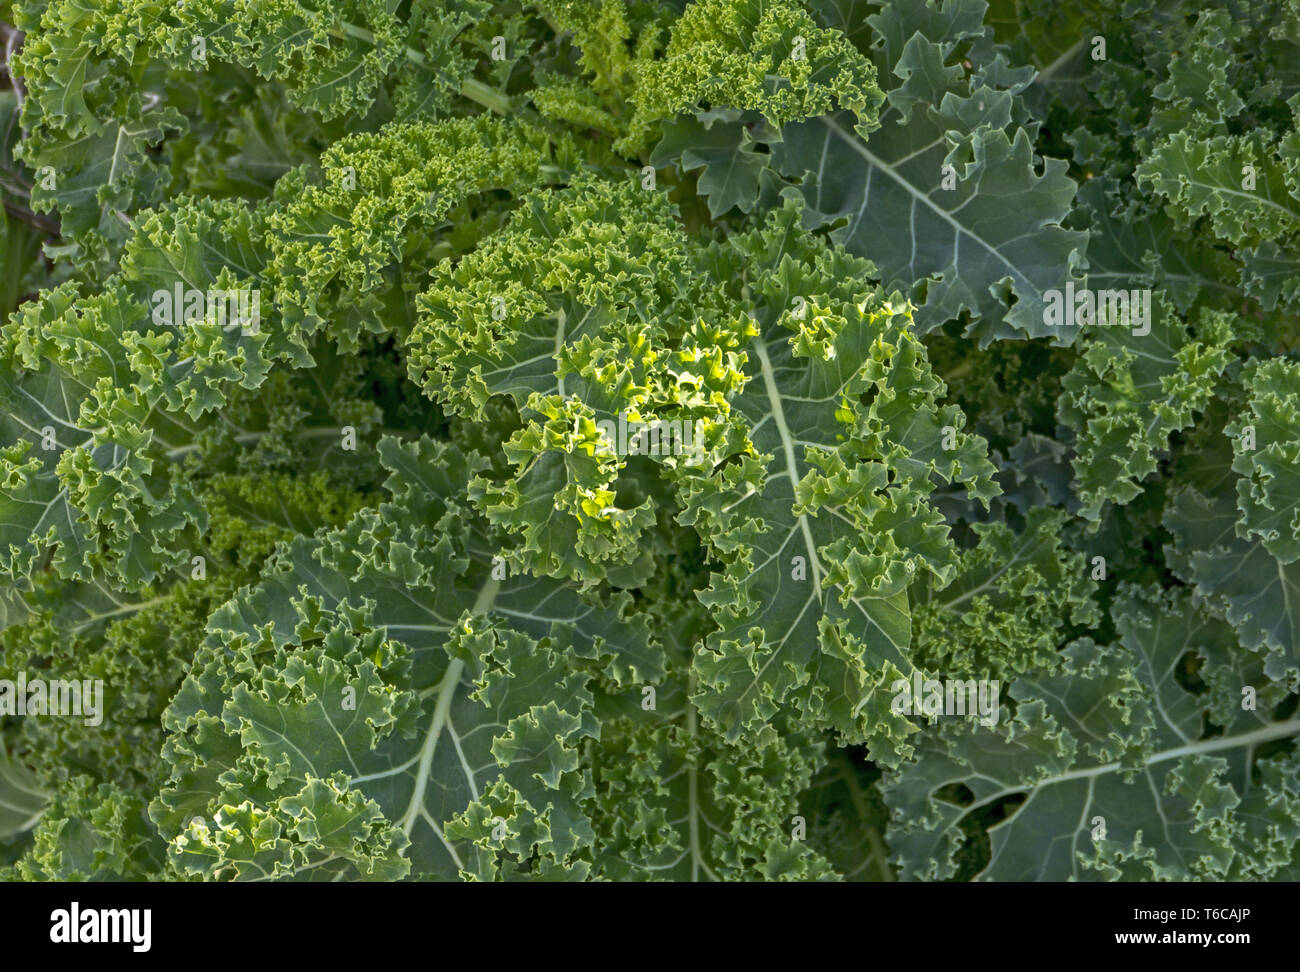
(650, 440)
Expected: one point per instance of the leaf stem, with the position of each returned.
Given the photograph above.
(42, 223)
(471, 88)
(692, 791)
(1278, 730)
(848, 773)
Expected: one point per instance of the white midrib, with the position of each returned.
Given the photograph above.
(1052, 68)
(787, 443)
(247, 438)
(446, 692)
(117, 612)
(693, 796)
(1279, 730)
(1244, 195)
(988, 582)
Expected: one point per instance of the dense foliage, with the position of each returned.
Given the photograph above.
(382, 587)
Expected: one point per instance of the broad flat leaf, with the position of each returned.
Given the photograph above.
(448, 690)
(21, 801)
(989, 245)
(721, 148)
(1110, 776)
(832, 521)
